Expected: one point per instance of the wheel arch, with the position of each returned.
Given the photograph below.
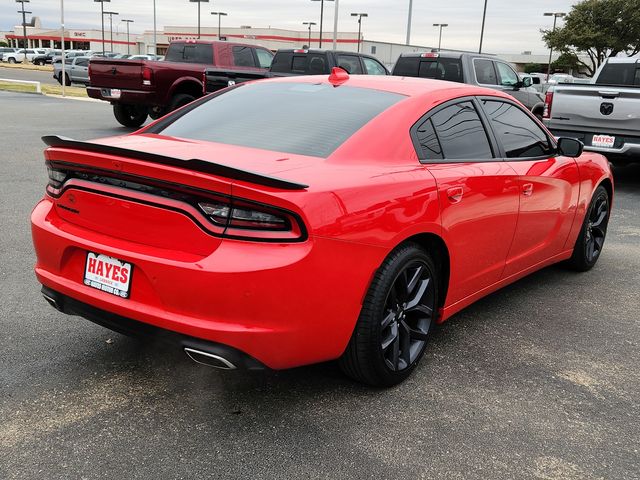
(436, 246)
(608, 186)
(188, 85)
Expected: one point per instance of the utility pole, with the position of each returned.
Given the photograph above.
(359, 15)
(128, 22)
(24, 26)
(409, 22)
(484, 17)
(555, 16)
(101, 2)
(310, 24)
(321, 18)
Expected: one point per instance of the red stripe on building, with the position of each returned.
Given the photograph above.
(70, 39)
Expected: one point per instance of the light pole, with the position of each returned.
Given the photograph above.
(310, 24)
(359, 15)
(155, 39)
(220, 15)
(199, 2)
(63, 77)
(335, 25)
(555, 16)
(111, 14)
(321, 18)
(24, 26)
(101, 2)
(409, 22)
(128, 22)
(441, 25)
(484, 16)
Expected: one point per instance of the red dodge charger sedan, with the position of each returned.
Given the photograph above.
(299, 220)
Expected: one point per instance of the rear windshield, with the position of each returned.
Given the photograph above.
(296, 118)
(190, 53)
(439, 68)
(620, 74)
(301, 63)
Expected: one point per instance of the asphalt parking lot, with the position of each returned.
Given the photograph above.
(540, 380)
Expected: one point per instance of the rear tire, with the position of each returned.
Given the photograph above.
(180, 100)
(12, 60)
(130, 116)
(397, 317)
(590, 242)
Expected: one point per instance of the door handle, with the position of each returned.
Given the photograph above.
(527, 189)
(454, 194)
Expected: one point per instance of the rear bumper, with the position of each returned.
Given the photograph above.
(284, 305)
(625, 145)
(128, 97)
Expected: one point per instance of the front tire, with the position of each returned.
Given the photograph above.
(12, 60)
(397, 317)
(130, 116)
(590, 242)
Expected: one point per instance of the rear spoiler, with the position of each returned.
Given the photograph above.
(193, 164)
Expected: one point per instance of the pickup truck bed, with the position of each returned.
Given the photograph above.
(605, 116)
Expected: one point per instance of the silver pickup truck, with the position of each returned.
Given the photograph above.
(604, 115)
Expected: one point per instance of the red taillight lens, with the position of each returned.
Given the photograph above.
(548, 103)
(430, 55)
(147, 76)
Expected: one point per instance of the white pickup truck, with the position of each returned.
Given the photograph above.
(604, 115)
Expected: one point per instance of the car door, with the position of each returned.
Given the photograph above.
(548, 184)
(374, 67)
(478, 194)
(80, 70)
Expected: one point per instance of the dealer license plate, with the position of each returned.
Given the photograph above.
(605, 141)
(111, 93)
(108, 274)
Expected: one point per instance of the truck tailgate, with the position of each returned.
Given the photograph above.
(125, 74)
(597, 108)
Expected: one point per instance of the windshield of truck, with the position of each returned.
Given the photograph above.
(620, 74)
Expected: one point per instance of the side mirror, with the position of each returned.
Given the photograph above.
(518, 85)
(570, 147)
(527, 82)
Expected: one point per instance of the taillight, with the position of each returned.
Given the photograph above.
(89, 71)
(430, 55)
(548, 103)
(56, 180)
(300, 50)
(147, 76)
(204, 82)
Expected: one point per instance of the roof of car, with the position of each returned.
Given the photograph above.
(445, 54)
(408, 86)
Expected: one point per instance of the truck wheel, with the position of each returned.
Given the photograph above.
(130, 116)
(67, 80)
(180, 100)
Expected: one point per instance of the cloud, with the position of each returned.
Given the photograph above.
(509, 28)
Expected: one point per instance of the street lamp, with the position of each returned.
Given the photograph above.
(484, 17)
(409, 22)
(555, 16)
(321, 17)
(128, 22)
(310, 24)
(199, 2)
(101, 2)
(24, 26)
(111, 14)
(441, 25)
(359, 15)
(220, 15)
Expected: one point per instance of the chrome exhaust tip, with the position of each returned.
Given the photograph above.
(52, 301)
(209, 359)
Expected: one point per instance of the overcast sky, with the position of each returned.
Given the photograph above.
(512, 26)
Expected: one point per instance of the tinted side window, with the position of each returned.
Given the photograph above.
(373, 66)
(518, 133)
(350, 63)
(282, 62)
(264, 58)
(407, 67)
(485, 73)
(428, 140)
(461, 133)
(508, 78)
(243, 57)
(82, 62)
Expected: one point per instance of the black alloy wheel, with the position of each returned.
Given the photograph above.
(590, 242)
(407, 316)
(397, 317)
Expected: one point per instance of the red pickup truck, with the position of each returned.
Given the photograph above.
(141, 88)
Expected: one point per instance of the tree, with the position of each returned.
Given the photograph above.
(533, 67)
(569, 63)
(599, 29)
(3, 44)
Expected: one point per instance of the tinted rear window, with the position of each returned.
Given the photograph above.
(301, 63)
(620, 74)
(439, 68)
(296, 118)
(190, 53)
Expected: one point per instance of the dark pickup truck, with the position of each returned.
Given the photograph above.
(141, 88)
(297, 62)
